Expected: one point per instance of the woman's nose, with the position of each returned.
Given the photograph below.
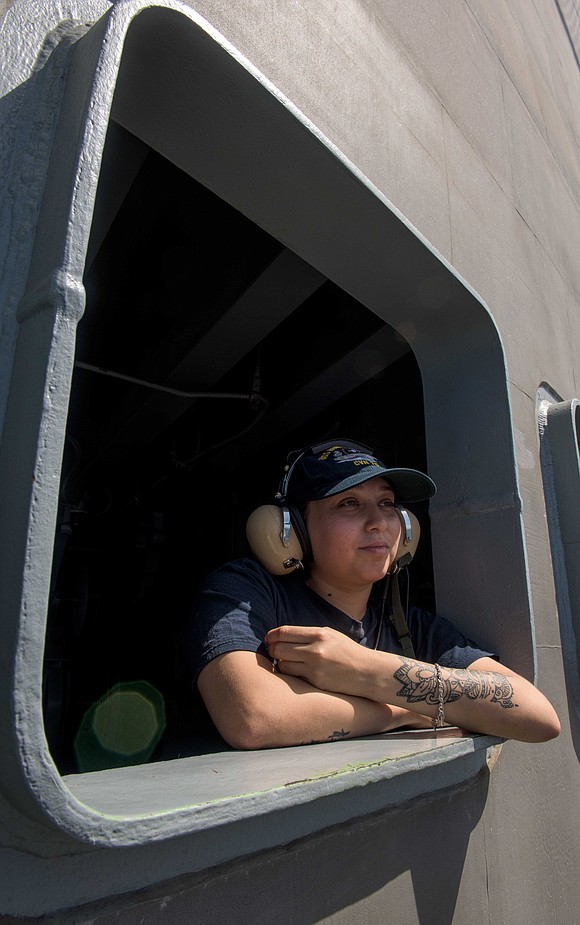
(375, 517)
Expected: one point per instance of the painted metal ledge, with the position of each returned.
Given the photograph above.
(334, 782)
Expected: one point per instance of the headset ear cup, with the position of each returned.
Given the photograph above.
(264, 530)
(300, 529)
(407, 545)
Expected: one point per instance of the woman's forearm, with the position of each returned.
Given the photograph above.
(254, 707)
(486, 697)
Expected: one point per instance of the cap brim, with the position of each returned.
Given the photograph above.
(409, 485)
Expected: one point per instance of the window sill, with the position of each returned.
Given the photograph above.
(293, 791)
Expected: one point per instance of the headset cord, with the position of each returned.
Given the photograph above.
(383, 605)
(398, 618)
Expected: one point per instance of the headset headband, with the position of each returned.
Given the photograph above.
(296, 455)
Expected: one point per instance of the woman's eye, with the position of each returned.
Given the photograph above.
(349, 502)
(386, 502)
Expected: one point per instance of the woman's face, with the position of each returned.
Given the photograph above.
(354, 535)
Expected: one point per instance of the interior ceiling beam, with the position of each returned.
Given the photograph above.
(283, 286)
(280, 289)
(373, 355)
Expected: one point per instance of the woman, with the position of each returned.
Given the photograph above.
(311, 657)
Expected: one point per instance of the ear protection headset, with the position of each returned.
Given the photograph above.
(278, 535)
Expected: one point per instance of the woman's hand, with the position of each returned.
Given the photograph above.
(324, 657)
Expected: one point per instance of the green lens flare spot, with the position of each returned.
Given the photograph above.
(122, 728)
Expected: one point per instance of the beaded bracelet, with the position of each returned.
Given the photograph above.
(439, 720)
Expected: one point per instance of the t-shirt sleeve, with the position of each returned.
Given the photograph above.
(233, 610)
(437, 640)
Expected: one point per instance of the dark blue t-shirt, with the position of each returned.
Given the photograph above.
(241, 601)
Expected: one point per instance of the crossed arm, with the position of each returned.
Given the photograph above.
(326, 687)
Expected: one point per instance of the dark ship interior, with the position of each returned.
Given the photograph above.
(207, 351)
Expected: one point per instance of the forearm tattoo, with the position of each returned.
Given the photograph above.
(339, 734)
(333, 737)
(419, 683)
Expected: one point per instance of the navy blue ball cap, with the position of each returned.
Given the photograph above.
(335, 466)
